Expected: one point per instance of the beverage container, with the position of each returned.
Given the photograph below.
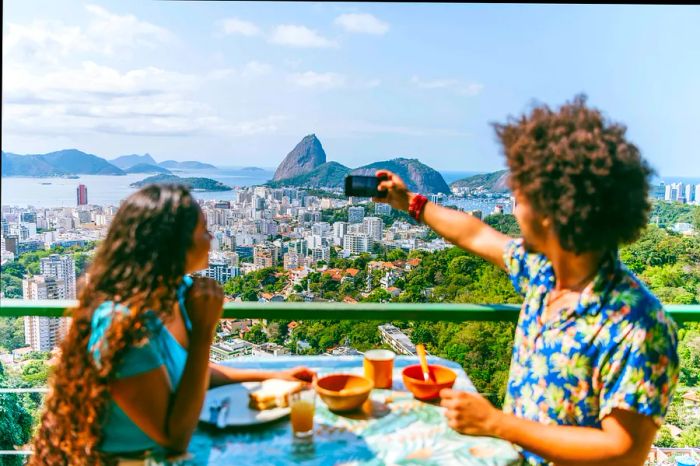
(302, 406)
(379, 366)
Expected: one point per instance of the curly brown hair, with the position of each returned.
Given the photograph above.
(139, 264)
(578, 169)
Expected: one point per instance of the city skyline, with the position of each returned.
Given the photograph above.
(243, 82)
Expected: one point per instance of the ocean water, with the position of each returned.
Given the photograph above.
(109, 190)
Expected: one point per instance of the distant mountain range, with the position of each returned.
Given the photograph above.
(60, 163)
(495, 182)
(200, 184)
(189, 165)
(147, 168)
(127, 161)
(75, 162)
(306, 166)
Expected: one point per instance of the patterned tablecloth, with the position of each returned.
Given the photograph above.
(397, 430)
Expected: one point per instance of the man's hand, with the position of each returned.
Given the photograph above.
(469, 413)
(398, 195)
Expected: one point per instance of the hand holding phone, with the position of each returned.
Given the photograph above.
(364, 186)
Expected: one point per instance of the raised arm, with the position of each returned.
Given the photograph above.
(461, 229)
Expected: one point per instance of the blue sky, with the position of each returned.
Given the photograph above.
(242, 83)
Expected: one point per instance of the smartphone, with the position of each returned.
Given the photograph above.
(363, 186)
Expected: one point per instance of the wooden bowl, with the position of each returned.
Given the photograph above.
(441, 377)
(343, 392)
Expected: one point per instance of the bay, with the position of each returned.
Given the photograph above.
(110, 190)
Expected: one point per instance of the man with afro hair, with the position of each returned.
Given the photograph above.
(594, 362)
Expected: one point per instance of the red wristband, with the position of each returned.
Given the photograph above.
(416, 206)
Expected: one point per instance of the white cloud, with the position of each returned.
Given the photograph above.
(113, 31)
(311, 79)
(254, 69)
(454, 85)
(363, 23)
(99, 99)
(266, 125)
(51, 42)
(240, 27)
(299, 36)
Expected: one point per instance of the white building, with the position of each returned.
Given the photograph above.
(382, 209)
(356, 214)
(60, 268)
(292, 260)
(322, 253)
(398, 340)
(234, 348)
(44, 333)
(321, 229)
(373, 227)
(221, 271)
(357, 244)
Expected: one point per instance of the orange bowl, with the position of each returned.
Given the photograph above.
(343, 392)
(441, 377)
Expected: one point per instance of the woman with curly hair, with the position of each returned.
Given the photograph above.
(134, 367)
(594, 360)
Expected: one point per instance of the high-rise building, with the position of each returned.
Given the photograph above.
(689, 193)
(28, 217)
(299, 247)
(357, 244)
(315, 241)
(43, 333)
(221, 271)
(265, 255)
(292, 260)
(82, 195)
(322, 253)
(697, 194)
(321, 228)
(60, 268)
(382, 209)
(373, 227)
(356, 214)
(12, 244)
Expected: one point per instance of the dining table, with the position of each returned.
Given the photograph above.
(391, 428)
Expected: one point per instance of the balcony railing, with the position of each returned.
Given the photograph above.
(325, 311)
(339, 311)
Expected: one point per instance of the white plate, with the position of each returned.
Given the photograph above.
(236, 412)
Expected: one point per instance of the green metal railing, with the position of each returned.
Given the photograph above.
(338, 311)
(323, 311)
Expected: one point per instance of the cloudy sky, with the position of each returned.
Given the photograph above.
(241, 83)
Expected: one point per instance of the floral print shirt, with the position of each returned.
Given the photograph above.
(615, 349)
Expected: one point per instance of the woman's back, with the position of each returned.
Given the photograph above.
(119, 432)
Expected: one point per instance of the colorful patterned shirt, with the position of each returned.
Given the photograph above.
(616, 349)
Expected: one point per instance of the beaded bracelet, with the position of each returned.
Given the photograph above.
(416, 206)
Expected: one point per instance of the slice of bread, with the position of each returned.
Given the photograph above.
(273, 393)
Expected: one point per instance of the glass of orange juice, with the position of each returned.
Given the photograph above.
(302, 415)
(379, 366)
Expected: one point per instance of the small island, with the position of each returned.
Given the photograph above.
(196, 184)
(253, 169)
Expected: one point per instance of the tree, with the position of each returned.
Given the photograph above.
(256, 335)
(11, 333)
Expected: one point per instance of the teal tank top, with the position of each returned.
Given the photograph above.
(119, 433)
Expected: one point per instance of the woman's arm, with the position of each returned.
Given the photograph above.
(222, 375)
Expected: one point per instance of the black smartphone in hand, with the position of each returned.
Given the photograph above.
(363, 186)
